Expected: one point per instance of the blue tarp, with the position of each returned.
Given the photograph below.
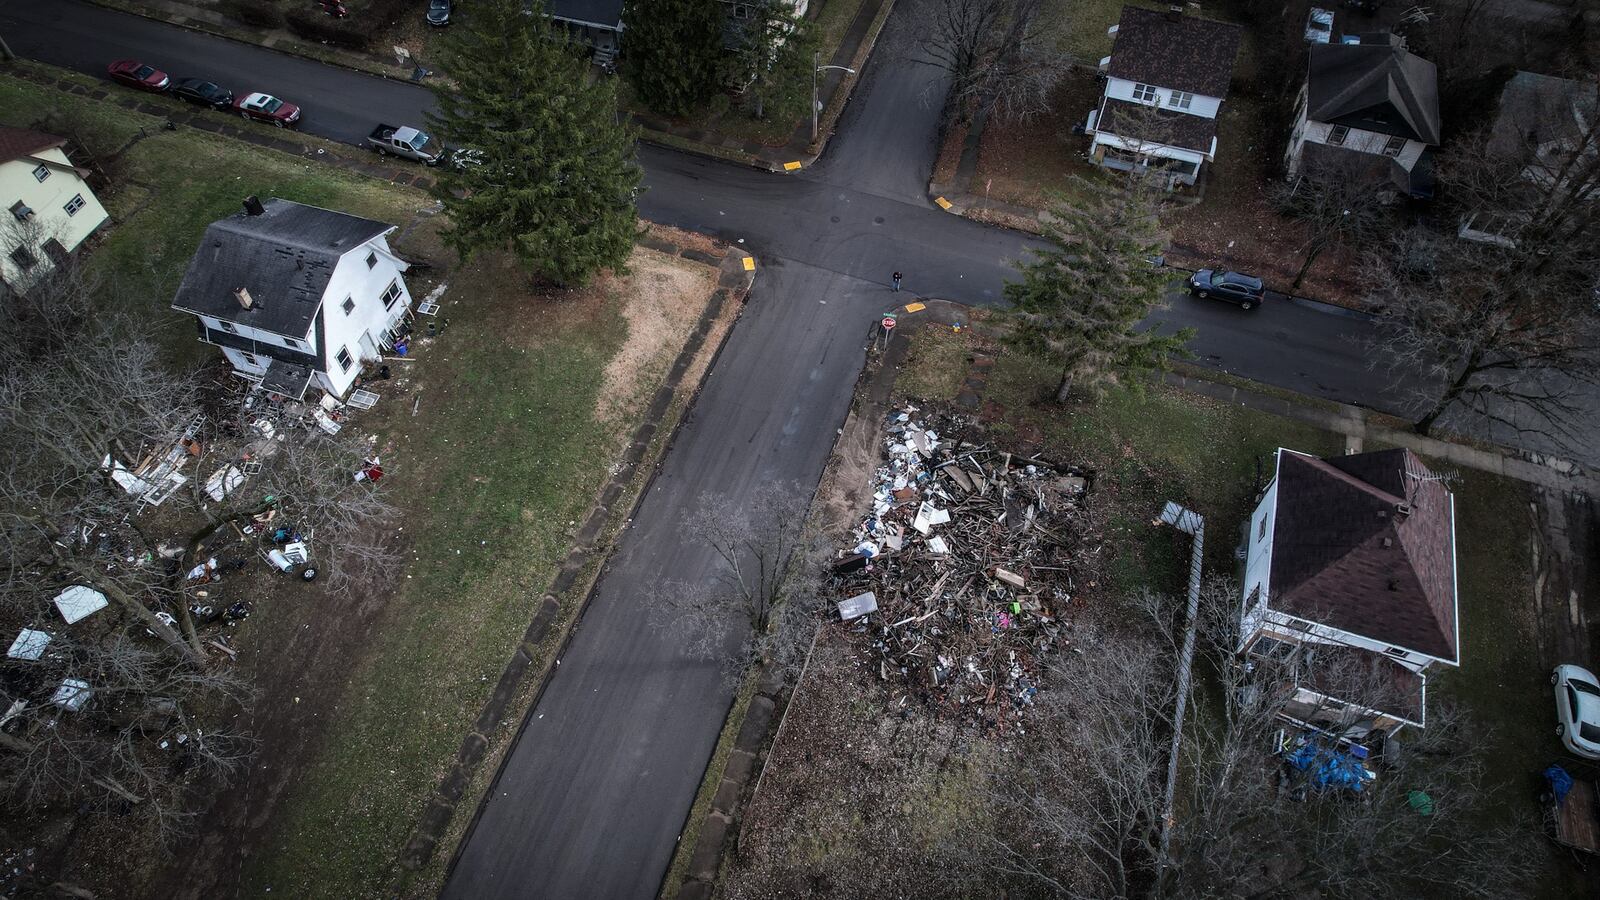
(1560, 783)
(1329, 768)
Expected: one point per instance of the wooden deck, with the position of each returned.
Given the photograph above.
(1576, 823)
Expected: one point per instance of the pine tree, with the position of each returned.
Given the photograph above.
(1080, 300)
(674, 54)
(551, 175)
(773, 60)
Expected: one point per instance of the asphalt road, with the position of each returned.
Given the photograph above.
(597, 786)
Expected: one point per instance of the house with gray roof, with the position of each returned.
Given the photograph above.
(1369, 104)
(1166, 78)
(1353, 558)
(296, 295)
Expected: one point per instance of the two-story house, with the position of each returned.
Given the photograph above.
(1166, 78)
(1550, 127)
(51, 210)
(294, 294)
(1366, 103)
(1354, 557)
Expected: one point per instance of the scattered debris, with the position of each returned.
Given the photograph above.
(961, 576)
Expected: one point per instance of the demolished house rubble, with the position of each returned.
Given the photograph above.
(972, 557)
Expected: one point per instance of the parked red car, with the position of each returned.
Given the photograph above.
(136, 74)
(267, 108)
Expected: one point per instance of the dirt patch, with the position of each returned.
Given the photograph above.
(1030, 162)
(665, 298)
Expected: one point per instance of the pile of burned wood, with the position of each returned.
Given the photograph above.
(962, 575)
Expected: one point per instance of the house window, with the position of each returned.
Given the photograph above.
(40, 173)
(344, 358)
(24, 258)
(1145, 93)
(22, 211)
(372, 259)
(228, 327)
(349, 305)
(73, 205)
(391, 294)
(249, 359)
(291, 343)
(1394, 146)
(1261, 533)
(1396, 651)
(1337, 134)
(1180, 99)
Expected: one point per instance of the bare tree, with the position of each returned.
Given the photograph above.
(999, 54)
(1505, 328)
(1341, 202)
(762, 606)
(83, 389)
(118, 722)
(1086, 807)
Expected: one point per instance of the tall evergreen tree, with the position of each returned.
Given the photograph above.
(553, 176)
(674, 55)
(773, 59)
(1080, 300)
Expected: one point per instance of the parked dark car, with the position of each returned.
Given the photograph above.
(136, 74)
(1245, 290)
(204, 93)
(439, 12)
(267, 108)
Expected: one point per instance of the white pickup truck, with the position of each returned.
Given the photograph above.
(406, 141)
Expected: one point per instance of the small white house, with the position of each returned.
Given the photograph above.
(1374, 102)
(294, 293)
(1166, 79)
(50, 209)
(1355, 556)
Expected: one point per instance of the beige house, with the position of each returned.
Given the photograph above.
(50, 210)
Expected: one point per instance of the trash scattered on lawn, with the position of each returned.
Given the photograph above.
(961, 576)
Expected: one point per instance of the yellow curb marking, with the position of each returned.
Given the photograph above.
(916, 307)
(943, 203)
(790, 166)
(749, 263)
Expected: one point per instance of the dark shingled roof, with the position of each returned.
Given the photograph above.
(1380, 170)
(16, 143)
(596, 12)
(1170, 50)
(283, 257)
(286, 378)
(1370, 679)
(1377, 87)
(1345, 553)
(1156, 124)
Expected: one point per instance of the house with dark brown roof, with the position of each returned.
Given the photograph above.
(1166, 79)
(1375, 102)
(51, 209)
(1354, 557)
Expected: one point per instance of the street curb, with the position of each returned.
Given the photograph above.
(423, 843)
(150, 15)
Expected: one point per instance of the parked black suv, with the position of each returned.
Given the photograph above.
(1245, 290)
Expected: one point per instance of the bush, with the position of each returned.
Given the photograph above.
(257, 13)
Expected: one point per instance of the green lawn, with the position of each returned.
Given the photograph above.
(169, 185)
(501, 456)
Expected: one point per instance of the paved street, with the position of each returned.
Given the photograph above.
(598, 784)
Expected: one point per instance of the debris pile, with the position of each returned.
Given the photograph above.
(962, 574)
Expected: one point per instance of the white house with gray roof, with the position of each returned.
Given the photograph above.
(295, 293)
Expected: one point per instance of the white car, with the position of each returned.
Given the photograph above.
(1578, 710)
(1319, 26)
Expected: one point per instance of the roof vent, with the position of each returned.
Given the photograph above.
(1402, 509)
(244, 298)
(253, 207)
(1388, 542)
(1175, 12)
(1394, 584)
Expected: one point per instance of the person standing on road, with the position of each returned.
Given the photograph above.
(897, 281)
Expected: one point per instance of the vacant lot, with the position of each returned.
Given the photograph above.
(496, 434)
(854, 778)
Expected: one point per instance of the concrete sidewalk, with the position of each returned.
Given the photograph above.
(1353, 423)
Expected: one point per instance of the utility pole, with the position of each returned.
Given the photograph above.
(1193, 524)
(816, 102)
